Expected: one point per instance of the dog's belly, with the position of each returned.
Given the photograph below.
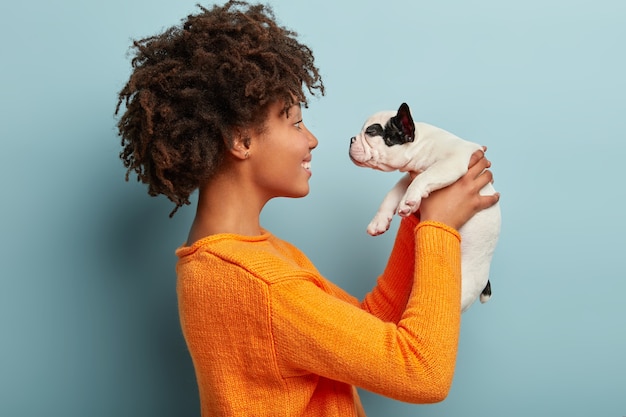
(479, 237)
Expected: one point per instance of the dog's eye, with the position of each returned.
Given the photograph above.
(374, 130)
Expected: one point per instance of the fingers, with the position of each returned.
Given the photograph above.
(484, 178)
(480, 176)
(477, 156)
(487, 201)
(479, 166)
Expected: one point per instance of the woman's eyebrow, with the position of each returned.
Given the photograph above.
(295, 111)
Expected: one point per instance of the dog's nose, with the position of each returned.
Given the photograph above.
(352, 140)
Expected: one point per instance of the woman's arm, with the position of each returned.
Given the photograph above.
(387, 300)
(412, 360)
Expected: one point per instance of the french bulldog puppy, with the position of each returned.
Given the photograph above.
(391, 141)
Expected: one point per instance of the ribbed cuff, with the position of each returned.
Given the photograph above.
(438, 225)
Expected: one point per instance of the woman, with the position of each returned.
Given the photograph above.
(215, 105)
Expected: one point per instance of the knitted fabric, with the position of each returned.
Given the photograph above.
(269, 336)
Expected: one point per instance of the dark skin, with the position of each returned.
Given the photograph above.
(252, 174)
(456, 204)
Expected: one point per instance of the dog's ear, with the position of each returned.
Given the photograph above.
(405, 122)
(400, 129)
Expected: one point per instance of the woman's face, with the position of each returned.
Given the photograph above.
(281, 154)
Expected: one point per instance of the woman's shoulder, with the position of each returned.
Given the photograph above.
(264, 257)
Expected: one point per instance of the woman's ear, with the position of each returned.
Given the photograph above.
(241, 145)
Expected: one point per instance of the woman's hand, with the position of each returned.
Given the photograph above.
(455, 204)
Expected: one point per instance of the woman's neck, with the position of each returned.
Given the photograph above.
(226, 205)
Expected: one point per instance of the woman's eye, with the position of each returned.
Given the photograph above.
(298, 124)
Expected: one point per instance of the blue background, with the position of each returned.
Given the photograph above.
(88, 320)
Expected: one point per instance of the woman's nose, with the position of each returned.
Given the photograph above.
(312, 140)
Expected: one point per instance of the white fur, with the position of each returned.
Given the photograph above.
(439, 158)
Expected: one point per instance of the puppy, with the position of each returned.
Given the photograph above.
(391, 141)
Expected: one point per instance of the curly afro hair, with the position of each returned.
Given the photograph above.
(194, 85)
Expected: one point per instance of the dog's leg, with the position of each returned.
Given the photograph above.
(439, 175)
(381, 221)
(486, 294)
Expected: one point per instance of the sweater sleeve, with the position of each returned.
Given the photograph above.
(412, 360)
(388, 299)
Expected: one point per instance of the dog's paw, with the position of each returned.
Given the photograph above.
(379, 225)
(407, 207)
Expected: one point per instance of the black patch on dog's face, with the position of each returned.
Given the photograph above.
(398, 130)
(374, 130)
(393, 134)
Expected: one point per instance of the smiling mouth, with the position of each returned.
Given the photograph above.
(306, 165)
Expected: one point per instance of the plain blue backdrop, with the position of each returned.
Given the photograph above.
(88, 319)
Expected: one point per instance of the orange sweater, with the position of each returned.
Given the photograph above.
(269, 336)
